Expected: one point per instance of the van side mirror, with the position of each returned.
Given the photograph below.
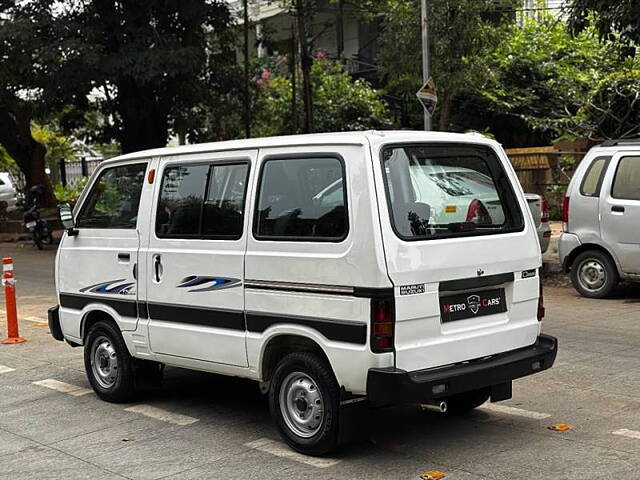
(66, 218)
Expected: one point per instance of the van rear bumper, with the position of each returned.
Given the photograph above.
(392, 385)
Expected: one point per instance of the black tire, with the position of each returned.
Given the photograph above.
(464, 402)
(315, 368)
(120, 384)
(597, 263)
(48, 239)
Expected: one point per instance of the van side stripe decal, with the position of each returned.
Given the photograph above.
(365, 292)
(126, 308)
(338, 330)
(210, 317)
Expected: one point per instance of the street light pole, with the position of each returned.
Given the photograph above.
(425, 57)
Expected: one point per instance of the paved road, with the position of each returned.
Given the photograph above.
(200, 426)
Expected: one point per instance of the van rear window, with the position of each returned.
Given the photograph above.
(448, 190)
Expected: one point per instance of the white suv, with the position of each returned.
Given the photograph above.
(7, 191)
(326, 267)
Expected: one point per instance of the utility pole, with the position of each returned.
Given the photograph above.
(247, 105)
(425, 57)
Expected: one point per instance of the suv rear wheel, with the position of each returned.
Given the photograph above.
(303, 400)
(593, 274)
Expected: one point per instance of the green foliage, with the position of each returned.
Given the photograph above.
(340, 103)
(7, 164)
(70, 193)
(617, 19)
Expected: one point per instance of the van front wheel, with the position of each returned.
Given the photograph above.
(108, 364)
(593, 274)
(303, 400)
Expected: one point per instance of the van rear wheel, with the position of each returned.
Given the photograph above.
(593, 274)
(108, 364)
(303, 400)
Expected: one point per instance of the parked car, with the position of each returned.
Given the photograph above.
(7, 191)
(330, 268)
(540, 211)
(601, 213)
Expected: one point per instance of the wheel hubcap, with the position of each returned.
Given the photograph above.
(592, 275)
(104, 362)
(301, 404)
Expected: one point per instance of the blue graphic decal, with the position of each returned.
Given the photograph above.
(111, 287)
(207, 283)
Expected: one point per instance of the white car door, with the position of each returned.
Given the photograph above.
(96, 267)
(620, 210)
(195, 258)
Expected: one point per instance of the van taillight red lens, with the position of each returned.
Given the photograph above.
(565, 209)
(544, 207)
(540, 303)
(382, 324)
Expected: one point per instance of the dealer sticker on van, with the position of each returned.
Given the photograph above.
(475, 304)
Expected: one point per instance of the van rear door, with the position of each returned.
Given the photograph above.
(461, 251)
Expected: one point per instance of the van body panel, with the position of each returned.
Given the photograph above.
(422, 339)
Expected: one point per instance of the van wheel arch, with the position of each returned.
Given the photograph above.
(585, 247)
(280, 346)
(93, 317)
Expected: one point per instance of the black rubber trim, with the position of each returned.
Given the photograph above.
(54, 323)
(337, 330)
(126, 308)
(392, 385)
(359, 292)
(476, 282)
(143, 310)
(210, 317)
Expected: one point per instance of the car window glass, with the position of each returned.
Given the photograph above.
(224, 206)
(1, 182)
(302, 199)
(626, 184)
(593, 178)
(181, 197)
(114, 198)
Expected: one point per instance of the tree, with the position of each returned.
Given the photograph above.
(340, 103)
(460, 31)
(619, 19)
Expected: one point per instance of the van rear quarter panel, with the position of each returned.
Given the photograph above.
(356, 261)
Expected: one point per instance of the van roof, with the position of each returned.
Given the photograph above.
(373, 137)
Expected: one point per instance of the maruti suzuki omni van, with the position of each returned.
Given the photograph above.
(338, 270)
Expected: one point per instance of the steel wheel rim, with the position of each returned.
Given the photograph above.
(301, 404)
(104, 362)
(592, 275)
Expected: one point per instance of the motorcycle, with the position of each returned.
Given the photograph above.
(33, 223)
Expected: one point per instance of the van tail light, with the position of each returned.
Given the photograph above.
(541, 303)
(565, 210)
(478, 213)
(383, 319)
(544, 207)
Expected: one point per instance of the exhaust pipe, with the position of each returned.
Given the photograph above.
(437, 406)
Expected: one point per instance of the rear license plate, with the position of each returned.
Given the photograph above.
(31, 224)
(472, 304)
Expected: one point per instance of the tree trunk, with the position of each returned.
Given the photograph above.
(305, 62)
(15, 136)
(445, 112)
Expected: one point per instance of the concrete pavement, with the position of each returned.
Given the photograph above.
(206, 426)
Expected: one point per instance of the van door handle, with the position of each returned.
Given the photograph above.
(135, 271)
(617, 208)
(157, 267)
(124, 257)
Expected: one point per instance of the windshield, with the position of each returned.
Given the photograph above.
(444, 190)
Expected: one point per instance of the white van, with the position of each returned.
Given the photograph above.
(327, 267)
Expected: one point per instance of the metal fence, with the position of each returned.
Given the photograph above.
(72, 172)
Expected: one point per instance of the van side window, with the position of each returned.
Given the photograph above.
(180, 203)
(114, 198)
(202, 201)
(592, 181)
(626, 184)
(302, 199)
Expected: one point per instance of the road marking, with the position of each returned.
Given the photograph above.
(281, 450)
(35, 319)
(62, 387)
(164, 415)
(518, 412)
(623, 432)
(5, 369)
